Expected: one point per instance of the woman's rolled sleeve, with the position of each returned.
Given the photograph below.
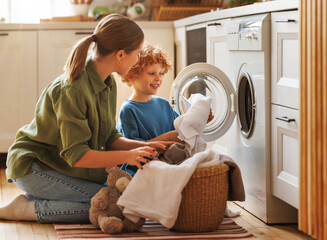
(113, 136)
(74, 127)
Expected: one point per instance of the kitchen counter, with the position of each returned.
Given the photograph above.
(74, 25)
(256, 8)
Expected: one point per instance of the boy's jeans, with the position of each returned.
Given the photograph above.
(57, 197)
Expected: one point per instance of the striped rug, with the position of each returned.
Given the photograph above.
(152, 230)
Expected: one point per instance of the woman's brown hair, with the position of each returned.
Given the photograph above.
(113, 33)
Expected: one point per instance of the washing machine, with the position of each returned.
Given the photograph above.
(241, 108)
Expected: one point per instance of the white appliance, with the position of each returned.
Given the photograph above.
(241, 106)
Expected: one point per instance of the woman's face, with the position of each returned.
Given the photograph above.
(128, 60)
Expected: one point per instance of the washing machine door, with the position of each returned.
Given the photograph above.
(246, 103)
(210, 81)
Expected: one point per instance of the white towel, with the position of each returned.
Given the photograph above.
(191, 124)
(156, 191)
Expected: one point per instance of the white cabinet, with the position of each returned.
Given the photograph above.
(285, 93)
(285, 59)
(180, 44)
(18, 76)
(285, 154)
(53, 49)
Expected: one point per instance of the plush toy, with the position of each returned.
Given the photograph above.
(175, 154)
(105, 213)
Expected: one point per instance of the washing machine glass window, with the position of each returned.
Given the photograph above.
(210, 81)
(246, 104)
(207, 85)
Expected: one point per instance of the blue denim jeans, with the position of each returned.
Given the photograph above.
(57, 197)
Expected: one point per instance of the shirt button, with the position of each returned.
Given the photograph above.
(102, 148)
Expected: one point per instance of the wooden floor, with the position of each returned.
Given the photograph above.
(11, 230)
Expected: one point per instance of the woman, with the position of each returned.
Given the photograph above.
(59, 158)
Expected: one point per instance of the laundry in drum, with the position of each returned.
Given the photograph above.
(197, 85)
(187, 104)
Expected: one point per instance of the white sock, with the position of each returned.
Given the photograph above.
(18, 209)
(232, 212)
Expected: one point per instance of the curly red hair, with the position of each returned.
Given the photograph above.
(149, 55)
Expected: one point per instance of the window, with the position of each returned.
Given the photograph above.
(4, 9)
(31, 11)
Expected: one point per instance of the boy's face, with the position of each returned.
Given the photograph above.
(148, 80)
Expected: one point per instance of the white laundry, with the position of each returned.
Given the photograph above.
(191, 124)
(156, 191)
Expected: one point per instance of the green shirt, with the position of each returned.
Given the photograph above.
(70, 119)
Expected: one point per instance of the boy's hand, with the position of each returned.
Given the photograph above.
(168, 136)
(173, 136)
(211, 116)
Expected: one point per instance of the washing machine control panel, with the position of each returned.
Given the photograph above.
(245, 33)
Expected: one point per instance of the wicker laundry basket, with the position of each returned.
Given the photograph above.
(204, 200)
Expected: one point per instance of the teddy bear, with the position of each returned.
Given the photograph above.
(175, 154)
(104, 211)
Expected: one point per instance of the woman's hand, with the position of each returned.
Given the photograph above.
(160, 146)
(121, 151)
(142, 154)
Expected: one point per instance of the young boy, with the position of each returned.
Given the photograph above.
(144, 116)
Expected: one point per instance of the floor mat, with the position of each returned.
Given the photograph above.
(152, 230)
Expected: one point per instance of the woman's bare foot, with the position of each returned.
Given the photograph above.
(18, 209)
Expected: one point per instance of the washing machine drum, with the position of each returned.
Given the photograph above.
(211, 81)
